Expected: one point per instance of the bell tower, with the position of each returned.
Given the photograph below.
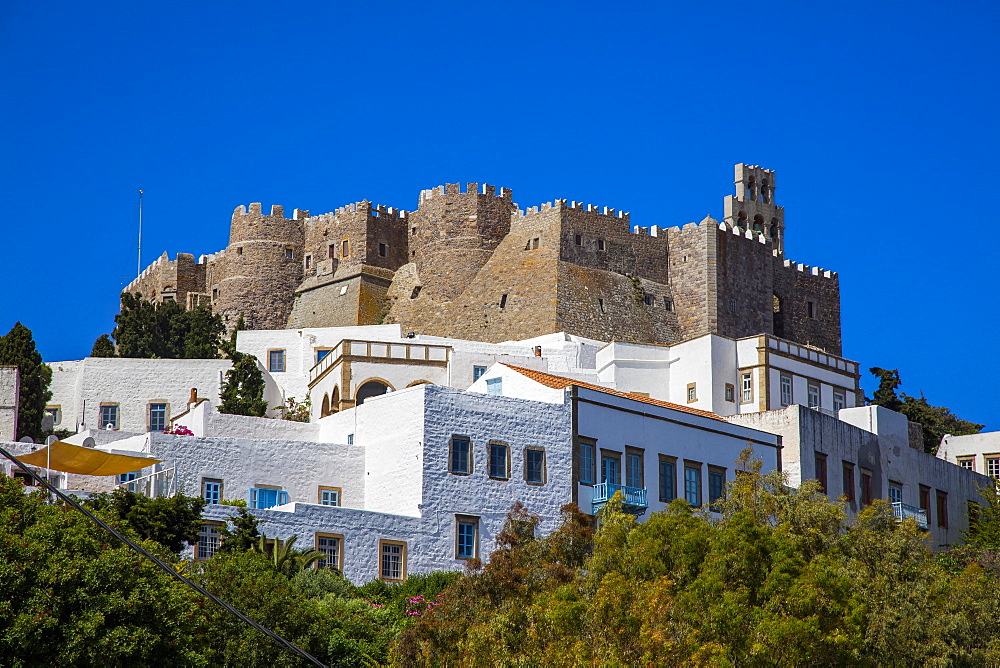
(753, 207)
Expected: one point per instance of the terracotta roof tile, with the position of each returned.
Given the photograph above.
(560, 383)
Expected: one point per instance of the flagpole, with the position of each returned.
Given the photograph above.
(138, 259)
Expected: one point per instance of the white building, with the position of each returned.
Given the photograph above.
(10, 389)
(975, 452)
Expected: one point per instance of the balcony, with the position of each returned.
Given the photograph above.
(903, 511)
(634, 501)
(379, 351)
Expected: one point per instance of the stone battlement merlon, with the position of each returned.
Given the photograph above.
(470, 187)
(277, 211)
(806, 269)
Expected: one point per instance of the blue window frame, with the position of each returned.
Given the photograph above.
(157, 417)
(633, 470)
(586, 462)
(461, 462)
(329, 497)
(692, 485)
(534, 466)
(211, 490)
(267, 498)
(127, 477)
(668, 481)
(275, 360)
(465, 539)
(494, 386)
(716, 485)
(477, 372)
(610, 469)
(109, 417)
(499, 461)
(320, 354)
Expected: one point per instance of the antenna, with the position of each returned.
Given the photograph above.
(138, 259)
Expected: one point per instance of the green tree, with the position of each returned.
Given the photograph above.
(166, 330)
(17, 348)
(103, 347)
(935, 421)
(244, 534)
(243, 391)
(171, 521)
(283, 555)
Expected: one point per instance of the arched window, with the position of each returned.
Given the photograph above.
(741, 220)
(752, 189)
(765, 192)
(369, 389)
(325, 410)
(420, 382)
(758, 223)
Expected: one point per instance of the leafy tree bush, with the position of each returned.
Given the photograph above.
(17, 348)
(243, 391)
(103, 347)
(936, 421)
(172, 521)
(163, 330)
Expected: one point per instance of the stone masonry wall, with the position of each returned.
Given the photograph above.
(167, 279)
(9, 392)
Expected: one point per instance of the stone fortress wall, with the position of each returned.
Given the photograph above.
(467, 263)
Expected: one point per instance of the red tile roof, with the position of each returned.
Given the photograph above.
(561, 383)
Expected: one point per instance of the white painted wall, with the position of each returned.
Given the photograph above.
(980, 447)
(9, 388)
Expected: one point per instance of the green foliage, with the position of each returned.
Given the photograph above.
(71, 595)
(17, 348)
(165, 330)
(780, 578)
(284, 557)
(936, 421)
(244, 534)
(321, 582)
(296, 411)
(984, 522)
(243, 391)
(170, 521)
(103, 347)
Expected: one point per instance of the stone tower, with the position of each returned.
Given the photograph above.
(256, 275)
(753, 207)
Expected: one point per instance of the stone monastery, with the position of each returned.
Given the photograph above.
(468, 355)
(469, 264)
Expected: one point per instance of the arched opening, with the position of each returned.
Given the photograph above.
(758, 223)
(741, 220)
(335, 400)
(777, 317)
(420, 382)
(765, 192)
(752, 189)
(370, 388)
(325, 410)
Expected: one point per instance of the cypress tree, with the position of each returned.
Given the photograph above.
(243, 391)
(103, 347)
(17, 348)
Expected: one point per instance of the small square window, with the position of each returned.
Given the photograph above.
(895, 492)
(668, 304)
(55, 412)
(329, 496)
(578, 239)
(733, 304)
(345, 248)
(810, 308)
(942, 509)
(350, 439)
(321, 353)
(208, 541)
(730, 392)
(848, 481)
(331, 251)
(585, 463)
(692, 394)
(477, 372)
(289, 253)
(494, 386)
(308, 261)
(600, 305)
(275, 360)
(383, 250)
(239, 250)
(786, 390)
(647, 299)
(534, 466)
(993, 467)
(265, 497)
(416, 292)
(127, 477)
(813, 395)
(600, 244)
(211, 490)
(461, 456)
(968, 463)
(109, 417)
(821, 471)
(839, 400)
(746, 387)
(866, 487)
(157, 417)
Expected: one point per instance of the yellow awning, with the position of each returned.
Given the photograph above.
(71, 458)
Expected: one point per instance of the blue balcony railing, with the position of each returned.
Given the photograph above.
(634, 497)
(903, 511)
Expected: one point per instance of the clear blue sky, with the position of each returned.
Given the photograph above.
(880, 119)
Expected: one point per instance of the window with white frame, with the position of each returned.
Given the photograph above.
(208, 541)
(275, 360)
(730, 392)
(895, 492)
(157, 417)
(461, 456)
(477, 372)
(211, 490)
(392, 557)
(839, 400)
(813, 395)
(330, 546)
(109, 417)
(746, 387)
(329, 496)
(466, 537)
(967, 462)
(993, 467)
(786, 390)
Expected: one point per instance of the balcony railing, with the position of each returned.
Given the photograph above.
(634, 497)
(903, 511)
(420, 353)
(154, 485)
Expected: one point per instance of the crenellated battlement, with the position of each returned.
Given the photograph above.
(374, 210)
(255, 209)
(579, 206)
(470, 188)
(806, 269)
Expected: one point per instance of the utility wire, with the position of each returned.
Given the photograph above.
(166, 567)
